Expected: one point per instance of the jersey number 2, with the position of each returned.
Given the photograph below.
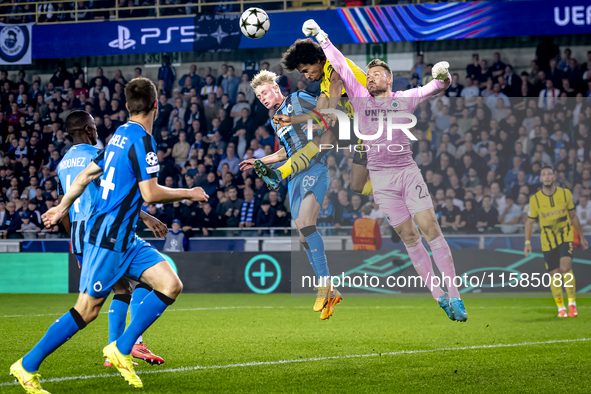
(422, 193)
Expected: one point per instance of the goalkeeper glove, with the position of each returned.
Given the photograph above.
(440, 71)
(311, 28)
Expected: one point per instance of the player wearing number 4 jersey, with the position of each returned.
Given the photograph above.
(553, 206)
(398, 186)
(111, 248)
(80, 125)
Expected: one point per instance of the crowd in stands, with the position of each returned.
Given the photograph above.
(106, 9)
(480, 146)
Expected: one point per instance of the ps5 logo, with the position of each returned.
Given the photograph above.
(123, 40)
(187, 34)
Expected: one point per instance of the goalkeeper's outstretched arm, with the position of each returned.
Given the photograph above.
(337, 60)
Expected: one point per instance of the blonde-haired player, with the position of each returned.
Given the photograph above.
(307, 187)
(553, 206)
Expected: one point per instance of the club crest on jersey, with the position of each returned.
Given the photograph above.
(151, 159)
(289, 108)
(395, 104)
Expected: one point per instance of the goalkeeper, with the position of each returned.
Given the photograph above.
(398, 186)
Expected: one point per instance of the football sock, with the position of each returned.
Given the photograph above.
(568, 280)
(59, 332)
(150, 309)
(309, 254)
(299, 160)
(445, 263)
(367, 188)
(557, 294)
(316, 244)
(118, 315)
(139, 293)
(424, 267)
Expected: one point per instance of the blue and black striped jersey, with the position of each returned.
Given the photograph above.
(292, 137)
(73, 163)
(129, 158)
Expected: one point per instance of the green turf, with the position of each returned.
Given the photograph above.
(284, 328)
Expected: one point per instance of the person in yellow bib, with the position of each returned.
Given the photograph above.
(308, 58)
(553, 206)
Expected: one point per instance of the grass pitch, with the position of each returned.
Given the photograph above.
(275, 343)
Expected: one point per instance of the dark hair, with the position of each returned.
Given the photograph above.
(547, 167)
(76, 121)
(304, 51)
(140, 94)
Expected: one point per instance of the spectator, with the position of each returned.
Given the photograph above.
(180, 150)
(283, 82)
(247, 123)
(245, 89)
(236, 111)
(468, 217)
(208, 88)
(583, 212)
(455, 89)
(487, 216)
(97, 89)
(28, 229)
(167, 73)
(232, 159)
(192, 76)
(175, 239)
(266, 216)
(230, 84)
(207, 219)
(510, 217)
(99, 75)
(548, 97)
(473, 69)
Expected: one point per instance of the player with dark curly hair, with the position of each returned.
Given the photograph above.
(307, 57)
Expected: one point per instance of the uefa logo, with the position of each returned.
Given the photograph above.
(14, 43)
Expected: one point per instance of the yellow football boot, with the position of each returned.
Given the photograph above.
(123, 364)
(29, 381)
(321, 298)
(334, 299)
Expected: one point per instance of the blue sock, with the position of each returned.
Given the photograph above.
(316, 244)
(118, 315)
(140, 292)
(309, 254)
(59, 332)
(150, 309)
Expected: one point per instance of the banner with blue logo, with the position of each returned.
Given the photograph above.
(205, 33)
(413, 22)
(15, 44)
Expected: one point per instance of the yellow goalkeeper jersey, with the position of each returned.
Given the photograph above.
(325, 84)
(553, 214)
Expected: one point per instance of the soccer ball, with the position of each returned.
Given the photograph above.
(254, 23)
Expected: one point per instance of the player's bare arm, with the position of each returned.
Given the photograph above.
(324, 102)
(54, 215)
(160, 230)
(529, 227)
(152, 192)
(577, 225)
(276, 157)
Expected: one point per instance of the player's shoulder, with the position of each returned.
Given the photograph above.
(565, 192)
(536, 197)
